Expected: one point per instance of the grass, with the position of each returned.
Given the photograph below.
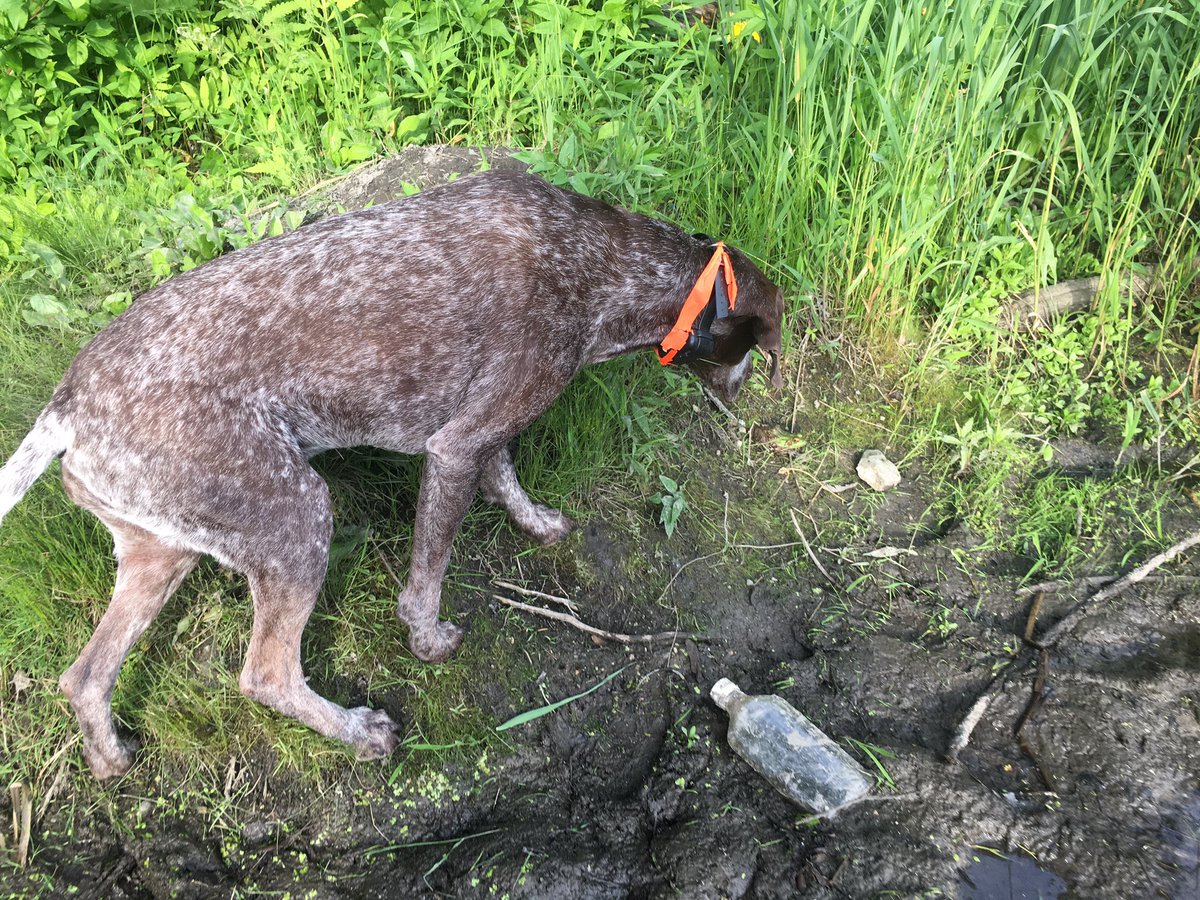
(900, 168)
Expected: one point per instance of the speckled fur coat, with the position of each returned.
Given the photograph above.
(440, 324)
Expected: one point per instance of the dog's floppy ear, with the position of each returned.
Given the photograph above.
(768, 332)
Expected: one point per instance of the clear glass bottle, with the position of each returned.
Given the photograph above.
(795, 756)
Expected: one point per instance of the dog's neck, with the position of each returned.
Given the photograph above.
(642, 302)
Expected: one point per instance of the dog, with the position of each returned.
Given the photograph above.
(443, 323)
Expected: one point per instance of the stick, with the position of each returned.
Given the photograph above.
(811, 555)
(716, 401)
(1119, 586)
(1046, 587)
(600, 632)
(387, 565)
(1092, 581)
(529, 592)
(962, 734)
(1034, 608)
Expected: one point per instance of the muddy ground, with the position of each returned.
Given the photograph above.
(631, 791)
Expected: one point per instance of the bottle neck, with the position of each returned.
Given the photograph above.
(725, 693)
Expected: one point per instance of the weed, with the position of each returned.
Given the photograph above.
(672, 501)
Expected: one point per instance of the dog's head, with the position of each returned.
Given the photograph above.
(756, 321)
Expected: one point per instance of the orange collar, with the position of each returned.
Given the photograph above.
(699, 298)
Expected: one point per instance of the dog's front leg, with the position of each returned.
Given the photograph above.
(500, 486)
(449, 482)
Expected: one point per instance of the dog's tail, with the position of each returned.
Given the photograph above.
(49, 438)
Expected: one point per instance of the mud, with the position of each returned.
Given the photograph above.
(631, 790)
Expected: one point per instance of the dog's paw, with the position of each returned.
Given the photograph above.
(437, 644)
(374, 733)
(549, 526)
(111, 761)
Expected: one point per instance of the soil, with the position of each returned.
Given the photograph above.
(631, 791)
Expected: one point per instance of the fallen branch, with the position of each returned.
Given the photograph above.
(530, 592)
(1034, 608)
(962, 734)
(575, 622)
(1037, 696)
(1091, 581)
(1039, 307)
(1119, 586)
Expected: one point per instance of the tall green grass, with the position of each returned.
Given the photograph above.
(881, 153)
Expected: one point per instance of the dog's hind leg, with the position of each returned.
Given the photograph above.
(273, 676)
(500, 486)
(148, 572)
(285, 558)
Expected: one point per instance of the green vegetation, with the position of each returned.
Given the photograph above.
(901, 168)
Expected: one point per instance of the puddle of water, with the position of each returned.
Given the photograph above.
(1180, 833)
(1178, 650)
(1015, 877)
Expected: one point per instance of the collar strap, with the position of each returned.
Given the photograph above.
(698, 300)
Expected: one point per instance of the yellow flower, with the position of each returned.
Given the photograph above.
(739, 27)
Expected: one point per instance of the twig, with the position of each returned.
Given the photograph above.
(782, 546)
(392, 573)
(679, 572)
(1034, 608)
(811, 555)
(962, 734)
(1119, 586)
(574, 622)
(1048, 587)
(716, 401)
(529, 592)
(120, 869)
(1092, 581)
(1037, 695)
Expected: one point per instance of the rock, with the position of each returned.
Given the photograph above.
(878, 471)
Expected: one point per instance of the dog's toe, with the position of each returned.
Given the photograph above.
(437, 644)
(551, 526)
(375, 733)
(110, 762)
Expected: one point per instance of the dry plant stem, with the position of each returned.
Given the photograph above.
(962, 734)
(800, 356)
(811, 554)
(715, 401)
(529, 592)
(679, 572)
(600, 632)
(392, 573)
(22, 813)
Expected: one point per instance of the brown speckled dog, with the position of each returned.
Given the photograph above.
(440, 324)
